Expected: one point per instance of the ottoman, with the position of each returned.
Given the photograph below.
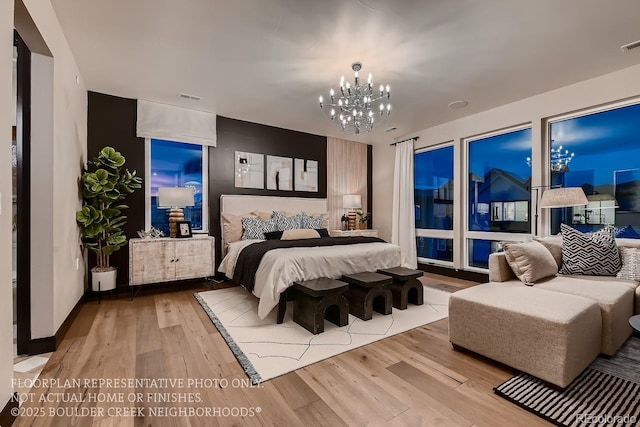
(550, 335)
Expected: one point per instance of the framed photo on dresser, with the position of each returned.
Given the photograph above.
(184, 229)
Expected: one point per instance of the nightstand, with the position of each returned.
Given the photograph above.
(351, 233)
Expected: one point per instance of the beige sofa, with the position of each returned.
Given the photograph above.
(553, 329)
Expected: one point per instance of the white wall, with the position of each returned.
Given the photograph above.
(600, 90)
(69, 154)
(6, 121)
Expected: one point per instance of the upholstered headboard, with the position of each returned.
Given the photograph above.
(239, 205)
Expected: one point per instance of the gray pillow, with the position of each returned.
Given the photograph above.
(630, 264)
(594, 255)
(530, 261)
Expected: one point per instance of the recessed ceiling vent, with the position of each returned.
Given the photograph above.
(187, 96)
(632, 45)
(391, 129)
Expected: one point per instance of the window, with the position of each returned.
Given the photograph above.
(603, 150)
(177, 164)
(433, 194)
(499, 198)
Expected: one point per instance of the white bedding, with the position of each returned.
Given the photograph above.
(279, 268)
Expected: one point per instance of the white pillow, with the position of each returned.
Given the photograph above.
(530, 261)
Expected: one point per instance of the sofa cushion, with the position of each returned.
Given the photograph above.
(595, 255)
(616, 301)
(530, 261)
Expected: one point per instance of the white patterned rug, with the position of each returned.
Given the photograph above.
(267, 350)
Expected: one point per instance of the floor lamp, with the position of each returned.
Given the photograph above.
(175, 198)
(563, 197)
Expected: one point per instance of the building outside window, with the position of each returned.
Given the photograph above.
(499, 198)
(433, 194)
(177, 164)
(605, 163)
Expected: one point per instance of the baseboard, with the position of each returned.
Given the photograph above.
(452, 272)
(10, 412)
(49, 344)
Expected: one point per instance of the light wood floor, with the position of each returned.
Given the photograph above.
(411, 379)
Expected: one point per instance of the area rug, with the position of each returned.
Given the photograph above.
(267, 350)
(607, 393)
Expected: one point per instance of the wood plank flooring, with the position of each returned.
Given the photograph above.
(411, 379)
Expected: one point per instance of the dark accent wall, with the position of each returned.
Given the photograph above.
(111, 122)
(237, 135)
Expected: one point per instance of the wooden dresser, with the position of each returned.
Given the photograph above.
(166, 259)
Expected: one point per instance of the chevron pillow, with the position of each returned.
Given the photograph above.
(594, 255)
(254, 228)
(284, 222)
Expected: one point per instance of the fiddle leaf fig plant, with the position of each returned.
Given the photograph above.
(104, 186)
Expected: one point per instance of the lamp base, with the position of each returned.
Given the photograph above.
(352, 219)
(175, 215)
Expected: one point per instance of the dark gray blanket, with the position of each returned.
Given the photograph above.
(249, 259)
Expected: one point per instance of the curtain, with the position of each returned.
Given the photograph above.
(178, 124)
(403, 228)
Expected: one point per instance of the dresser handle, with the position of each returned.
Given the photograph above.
(178, 260)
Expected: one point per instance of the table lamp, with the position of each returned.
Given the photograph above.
(351, 202)
(175, 198)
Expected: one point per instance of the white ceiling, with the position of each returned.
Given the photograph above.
(267, 61)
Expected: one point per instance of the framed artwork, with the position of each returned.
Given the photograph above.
(279, 173)
(184, 229)
(249, 170)
(306, 178)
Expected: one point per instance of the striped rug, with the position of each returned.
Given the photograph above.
(594, 398)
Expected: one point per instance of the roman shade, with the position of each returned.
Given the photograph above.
(172, 123)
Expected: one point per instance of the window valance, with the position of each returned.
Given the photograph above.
(162, 121)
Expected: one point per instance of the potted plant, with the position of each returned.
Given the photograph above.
(104, 186)
(364, 217)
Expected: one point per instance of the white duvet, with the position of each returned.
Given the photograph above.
(279, 268)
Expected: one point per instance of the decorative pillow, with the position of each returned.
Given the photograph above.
(325, 215)
(301, 233)
(312, 222)
(554, 245)
(594, 255)
(254, 228)
(273, 235)
(232, 226)
(262, 215)
(630, 264)
(287, 222)
(530, 261)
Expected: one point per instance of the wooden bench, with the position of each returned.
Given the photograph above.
(320, 299)
(367, 292)
(406, 288)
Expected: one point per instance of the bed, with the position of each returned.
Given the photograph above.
(280, 267)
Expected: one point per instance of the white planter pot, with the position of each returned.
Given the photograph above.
(103, 280)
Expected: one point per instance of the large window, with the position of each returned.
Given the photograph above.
(433, 169)
(499, 198)
(177, 164)
(605, 163)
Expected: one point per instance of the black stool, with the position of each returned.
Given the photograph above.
(368, 292)
(406, 288)
(320, 299)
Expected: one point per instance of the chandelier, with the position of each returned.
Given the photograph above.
(559, 159)
(355, 107)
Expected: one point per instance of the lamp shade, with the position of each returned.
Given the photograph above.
(563, 197)
(351, 201)
(178, 197)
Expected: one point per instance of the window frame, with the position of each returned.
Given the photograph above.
(467, 234)
(205, 184)
(432, 232)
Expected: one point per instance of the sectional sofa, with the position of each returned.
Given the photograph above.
(553, 328)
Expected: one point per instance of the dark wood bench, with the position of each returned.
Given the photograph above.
(405, 288)
(367, 292)
(320, 299)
